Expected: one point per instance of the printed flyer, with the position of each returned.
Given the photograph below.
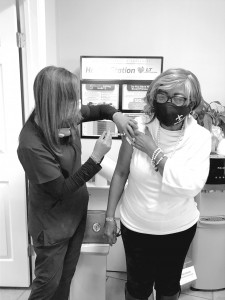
(133, 97)
(100, 94)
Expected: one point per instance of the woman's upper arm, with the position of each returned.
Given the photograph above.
(123, 162)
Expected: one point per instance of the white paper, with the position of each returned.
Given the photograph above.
(188, 275)
(94, 93)
(133, 96)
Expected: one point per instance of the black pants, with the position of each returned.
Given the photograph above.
(55, 267)
(155, 260)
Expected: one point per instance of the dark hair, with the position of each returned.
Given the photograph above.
(56, 103)
(174, 78)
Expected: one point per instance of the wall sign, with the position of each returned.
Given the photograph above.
(120, 68)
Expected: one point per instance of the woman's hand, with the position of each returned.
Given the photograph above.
(125, 124)
(102, 145)
(110, 230)
(144, 142)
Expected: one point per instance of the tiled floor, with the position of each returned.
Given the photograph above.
(115, 291)
(115, 286)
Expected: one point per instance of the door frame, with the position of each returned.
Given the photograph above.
(32, 57)
(31, 23)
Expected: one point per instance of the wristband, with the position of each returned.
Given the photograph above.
(156, 153)
(161, 158)
(110, 219)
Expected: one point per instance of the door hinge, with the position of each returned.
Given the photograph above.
(20, 39)
(30, 250)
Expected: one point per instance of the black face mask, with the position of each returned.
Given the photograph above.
(170, 114)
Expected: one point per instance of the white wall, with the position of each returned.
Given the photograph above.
(187, 33)
(51, 32)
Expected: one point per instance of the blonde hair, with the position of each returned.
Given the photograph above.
(170, 79)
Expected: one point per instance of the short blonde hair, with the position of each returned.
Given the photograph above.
(171, 79)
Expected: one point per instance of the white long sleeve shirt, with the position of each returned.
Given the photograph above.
(156, 204)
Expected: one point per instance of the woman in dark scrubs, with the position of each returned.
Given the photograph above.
(58, 195)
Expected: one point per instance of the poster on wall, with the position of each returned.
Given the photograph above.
(133, 96)
(121, 82)
(96, 93)
(99, 93)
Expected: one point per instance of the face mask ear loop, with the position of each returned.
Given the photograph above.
(191, 109)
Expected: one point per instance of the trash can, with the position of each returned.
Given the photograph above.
(209, 253)
(89, 282)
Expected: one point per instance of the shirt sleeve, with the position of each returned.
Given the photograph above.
(42, 168)
(39, 165)
(186, 172)
(97, 112)
(61, 188)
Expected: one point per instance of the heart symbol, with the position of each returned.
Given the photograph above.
(140, 69)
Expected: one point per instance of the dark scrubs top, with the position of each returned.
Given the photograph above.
(58, 195)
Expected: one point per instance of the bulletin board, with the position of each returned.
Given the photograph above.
(120, 81)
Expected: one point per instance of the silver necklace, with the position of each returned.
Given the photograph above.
(181, 133)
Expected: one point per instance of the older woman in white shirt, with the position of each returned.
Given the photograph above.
(166, 166)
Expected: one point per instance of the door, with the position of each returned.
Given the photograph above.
(14, 260)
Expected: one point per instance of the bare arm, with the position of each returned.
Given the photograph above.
(116, 188)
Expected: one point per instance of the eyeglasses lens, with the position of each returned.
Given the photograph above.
(177, 100)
